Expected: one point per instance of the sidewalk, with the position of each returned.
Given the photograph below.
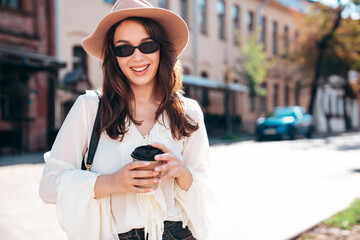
(22, 213)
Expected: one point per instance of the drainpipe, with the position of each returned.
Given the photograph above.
(195, 28)
(56, 27)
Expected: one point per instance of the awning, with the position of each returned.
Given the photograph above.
(212, 84)
(33, 61)
(74, 77)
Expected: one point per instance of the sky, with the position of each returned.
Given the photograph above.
(350, 10)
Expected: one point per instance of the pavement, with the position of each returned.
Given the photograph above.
(262, 211)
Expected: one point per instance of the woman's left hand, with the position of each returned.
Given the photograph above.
(172, 167)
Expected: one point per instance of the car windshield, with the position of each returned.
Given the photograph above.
(282, 112)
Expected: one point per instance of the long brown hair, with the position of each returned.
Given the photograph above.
(117, 93)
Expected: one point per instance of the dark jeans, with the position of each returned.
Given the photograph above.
(172, 231)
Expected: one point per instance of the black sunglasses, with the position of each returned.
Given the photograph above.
(128, 50)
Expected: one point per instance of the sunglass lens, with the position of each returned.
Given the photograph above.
(124, 51)
(149, 47)
(128, 50)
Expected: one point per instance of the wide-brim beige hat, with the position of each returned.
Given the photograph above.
(173, 24)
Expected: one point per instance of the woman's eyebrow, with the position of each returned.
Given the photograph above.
(125, 41)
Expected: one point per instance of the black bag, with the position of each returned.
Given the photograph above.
(95, 135)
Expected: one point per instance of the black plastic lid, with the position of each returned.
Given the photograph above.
(146, 153)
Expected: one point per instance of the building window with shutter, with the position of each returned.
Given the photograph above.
(250, 21)
(236, 22)
(286, 39)
(263, 32)
(79, 59)
(203, 16)
(274, 37)
(220, 9)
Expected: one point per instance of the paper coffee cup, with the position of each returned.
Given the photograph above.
(147, 153)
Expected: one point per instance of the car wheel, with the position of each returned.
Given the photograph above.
(259, 138)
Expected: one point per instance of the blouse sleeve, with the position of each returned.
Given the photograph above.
(196, 156)
(72, 189)
(67, 150)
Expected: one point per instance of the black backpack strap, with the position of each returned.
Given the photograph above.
(95, 135)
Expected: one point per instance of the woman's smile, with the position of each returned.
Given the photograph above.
(140, 70)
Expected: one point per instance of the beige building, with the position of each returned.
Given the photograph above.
(211, 55)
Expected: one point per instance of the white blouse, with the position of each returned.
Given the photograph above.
(72, 189)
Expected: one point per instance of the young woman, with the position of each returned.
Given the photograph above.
(140, 104)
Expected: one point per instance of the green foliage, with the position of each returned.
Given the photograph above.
(64, 88)
(231, 136)
(254, 65)
(347, 218)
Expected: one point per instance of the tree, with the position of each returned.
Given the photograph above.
(330, 44)
(253, 65)
(327, 45)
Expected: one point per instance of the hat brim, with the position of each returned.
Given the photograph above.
(174, 26)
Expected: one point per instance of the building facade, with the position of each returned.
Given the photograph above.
(28, 75)
(209, 61)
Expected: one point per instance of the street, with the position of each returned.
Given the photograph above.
(273, 190)
(264, 190)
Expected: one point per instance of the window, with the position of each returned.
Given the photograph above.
(287, 95)
(235, 12)
(286, 39)
(163, 3)
(263, 101)
(250, 21)
(79, 59)
(14, 4)
(276, 93)
(220, 9)
(297, 92)
(13, 93)
(252, 102)
(187, 71)
(205, 93)
(186, 88)
(110, 1)
(274, 37)
(203, 16)
(263, 32)
(184, 10)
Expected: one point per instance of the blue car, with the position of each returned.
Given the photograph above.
(285, 122)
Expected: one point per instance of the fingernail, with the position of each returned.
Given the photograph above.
(146, 163)
(156, 169)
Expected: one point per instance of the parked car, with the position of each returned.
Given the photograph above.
(285, 122)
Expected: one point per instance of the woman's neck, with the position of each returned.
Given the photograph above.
(145, 95)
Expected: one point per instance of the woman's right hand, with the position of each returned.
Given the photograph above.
(127, 179)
